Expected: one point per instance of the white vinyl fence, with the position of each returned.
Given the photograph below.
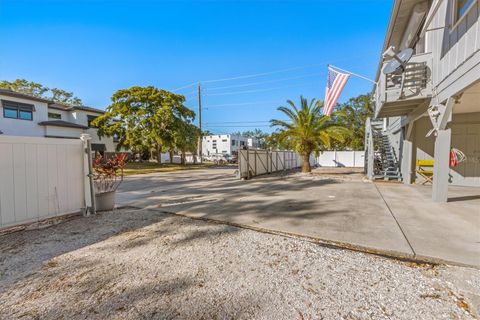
(253, 162)
(40, 178)
(350, 159)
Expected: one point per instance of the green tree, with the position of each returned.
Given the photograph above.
(352, 115)
(23, 86)
(38, 90)
(65, 97)
(307, 129)
(144, 117)
(186, 139)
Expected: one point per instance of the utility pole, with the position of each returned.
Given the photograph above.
(200, 122)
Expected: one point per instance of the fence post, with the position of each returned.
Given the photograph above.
(239, 159)
(284, 163)
(255, 162)
(268, 160)
(248, 164)
(89, 190)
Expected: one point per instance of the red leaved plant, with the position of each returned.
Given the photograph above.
(108, 173)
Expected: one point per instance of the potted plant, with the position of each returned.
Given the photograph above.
(107, 176)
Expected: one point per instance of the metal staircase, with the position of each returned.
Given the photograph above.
(386, 165)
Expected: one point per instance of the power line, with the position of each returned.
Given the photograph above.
(242, 122)
(262, 125)
(263, 82)
(255, 75)
(262, 74)
(253, 91)
(184, 87)
(240, 104)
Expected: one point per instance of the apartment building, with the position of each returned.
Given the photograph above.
(227, 144)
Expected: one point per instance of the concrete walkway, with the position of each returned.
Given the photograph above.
(446, 231)
(339, 209)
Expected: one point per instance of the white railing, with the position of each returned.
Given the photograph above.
(414, 83)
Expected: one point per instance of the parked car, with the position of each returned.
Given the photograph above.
(217, 158)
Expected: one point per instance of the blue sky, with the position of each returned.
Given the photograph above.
(94, 48)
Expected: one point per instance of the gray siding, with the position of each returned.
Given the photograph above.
(453, 47)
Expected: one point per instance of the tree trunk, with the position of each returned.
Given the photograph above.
(170, 153)
(159, 154)
(306, 163)
(182, 158)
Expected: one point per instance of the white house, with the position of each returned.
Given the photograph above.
(431, 103)
(25, 115)
(227, 144)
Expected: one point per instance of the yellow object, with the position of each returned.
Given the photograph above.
(425, 169)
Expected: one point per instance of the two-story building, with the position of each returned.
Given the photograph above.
(226, 144)
(26, 115)
(430, 100)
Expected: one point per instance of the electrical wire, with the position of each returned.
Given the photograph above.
(261, 74)
(255, 75)
(263, 82)
(253, 91)
(239, 104)
(262, 125)
(241, 122)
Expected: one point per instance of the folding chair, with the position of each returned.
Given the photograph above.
(425, 170)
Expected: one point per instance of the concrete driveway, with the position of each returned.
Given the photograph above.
(339, 209)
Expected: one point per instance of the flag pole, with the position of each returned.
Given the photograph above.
(353, 74)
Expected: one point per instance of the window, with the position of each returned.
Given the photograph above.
(242, 143)
(53, 115)
(16, 110)
(214, 144)
(234, 142)
(461, 8)
(25, 115)
(224, 140)
(89, 121)
(10, 113)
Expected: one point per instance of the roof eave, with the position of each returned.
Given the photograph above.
(388, 37)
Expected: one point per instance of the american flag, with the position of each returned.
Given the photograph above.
(335, 83)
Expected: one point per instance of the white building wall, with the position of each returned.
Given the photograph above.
(62, 132)
(17, 127)
(222, 144)
(66, 116)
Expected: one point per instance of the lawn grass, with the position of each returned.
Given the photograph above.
(132, 168)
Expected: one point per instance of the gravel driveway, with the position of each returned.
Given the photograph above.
(141, 264)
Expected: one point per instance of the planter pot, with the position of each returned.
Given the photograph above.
(105, 201)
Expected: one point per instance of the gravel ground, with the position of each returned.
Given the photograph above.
(134, 264)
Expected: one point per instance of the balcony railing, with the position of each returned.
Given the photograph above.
(401, 92)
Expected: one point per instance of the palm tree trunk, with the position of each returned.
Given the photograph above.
(306, 163)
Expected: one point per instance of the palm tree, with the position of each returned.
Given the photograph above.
(307, 129)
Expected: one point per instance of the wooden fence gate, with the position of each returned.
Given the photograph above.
(254, 162)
